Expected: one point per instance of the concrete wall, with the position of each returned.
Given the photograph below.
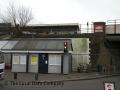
(80, 54)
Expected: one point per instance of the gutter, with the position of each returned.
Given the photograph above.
(19, 51)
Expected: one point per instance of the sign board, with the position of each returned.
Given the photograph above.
(99, 26)
(34, 59)
(109, 86)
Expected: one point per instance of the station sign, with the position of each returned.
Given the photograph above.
(99, 26)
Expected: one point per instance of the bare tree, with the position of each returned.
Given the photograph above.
(17, 15)
(10, 15)
(24, 16)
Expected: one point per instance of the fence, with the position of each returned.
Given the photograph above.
(86, 28)
(95, 63)
(80, 61)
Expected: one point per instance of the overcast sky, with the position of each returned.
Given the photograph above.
(69, 11)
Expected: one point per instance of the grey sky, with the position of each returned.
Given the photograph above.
(69, 11)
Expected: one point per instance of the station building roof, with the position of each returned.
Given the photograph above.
(36, 45)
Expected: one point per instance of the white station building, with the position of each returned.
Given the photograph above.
(39, 55)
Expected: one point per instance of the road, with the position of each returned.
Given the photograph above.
(95, 84)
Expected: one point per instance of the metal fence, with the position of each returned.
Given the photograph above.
(95, 63)
(80, 62)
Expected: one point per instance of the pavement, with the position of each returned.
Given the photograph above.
(9, 76)
(5, 37)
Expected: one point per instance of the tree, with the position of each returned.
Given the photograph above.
(17, 16)
(24, 16)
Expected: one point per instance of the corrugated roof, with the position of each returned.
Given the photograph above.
(9, 45)
(2, 43)
(38, 45)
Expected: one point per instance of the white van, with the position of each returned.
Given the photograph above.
(2, 67)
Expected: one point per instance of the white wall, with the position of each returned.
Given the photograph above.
(80, 53)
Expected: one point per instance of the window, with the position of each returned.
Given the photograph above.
(54, 59)
(16, 59)
(22, 59)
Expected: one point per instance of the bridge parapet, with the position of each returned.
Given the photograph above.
(112, 27)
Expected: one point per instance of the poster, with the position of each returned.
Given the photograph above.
(34, 59)
(15, 59)
(23, 59)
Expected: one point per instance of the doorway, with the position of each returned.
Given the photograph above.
(43, 63)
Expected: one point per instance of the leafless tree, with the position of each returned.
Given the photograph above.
(17, 15)
(10, 15)
(24, 16)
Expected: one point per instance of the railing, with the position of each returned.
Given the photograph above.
(86, 28)
(83, 29)
(85, 62)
